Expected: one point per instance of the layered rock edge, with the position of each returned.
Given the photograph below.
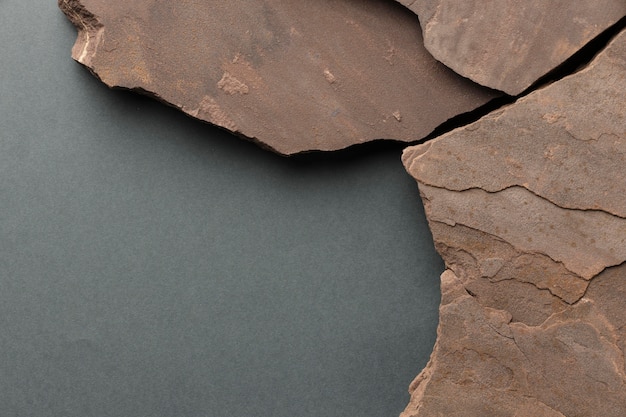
(526, 207)
(290, 77)
(509, 45)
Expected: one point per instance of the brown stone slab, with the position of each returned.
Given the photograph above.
(509, 44)
(527, 209)
(291, 75)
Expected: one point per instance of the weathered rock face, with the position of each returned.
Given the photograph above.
(295, 77)
(527, 208)
(508, 45)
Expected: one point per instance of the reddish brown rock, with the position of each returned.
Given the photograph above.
(527, 209)
(508, 44)
(317, 76)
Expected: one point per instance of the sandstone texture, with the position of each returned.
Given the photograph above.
(508, 44)
(527, 208)
(295, 77)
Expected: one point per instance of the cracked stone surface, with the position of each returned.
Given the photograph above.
(527, 208)
(295, 78)
(508, 45)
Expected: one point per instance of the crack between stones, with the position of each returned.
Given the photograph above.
(574, 64)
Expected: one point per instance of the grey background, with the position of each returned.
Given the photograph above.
(151, 265)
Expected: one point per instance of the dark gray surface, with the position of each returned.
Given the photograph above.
(154, 266)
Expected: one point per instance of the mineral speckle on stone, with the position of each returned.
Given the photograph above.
(526, 206)
(295, 77)
(507, 44)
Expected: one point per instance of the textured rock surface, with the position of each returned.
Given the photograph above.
(527, 208)
(296, 77)
(508, 45)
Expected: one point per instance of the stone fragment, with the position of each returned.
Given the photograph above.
(508, 44)
(296, 77)
(527, 208)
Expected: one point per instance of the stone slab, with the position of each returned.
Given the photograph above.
(294, 77)
(508, 44)
(526, 206)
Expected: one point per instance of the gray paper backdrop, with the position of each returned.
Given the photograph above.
(151, 265)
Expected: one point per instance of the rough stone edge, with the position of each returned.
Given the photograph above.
(448, 280)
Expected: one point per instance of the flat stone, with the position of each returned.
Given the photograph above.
(527, 208)
(293, 77)
(508, 45)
